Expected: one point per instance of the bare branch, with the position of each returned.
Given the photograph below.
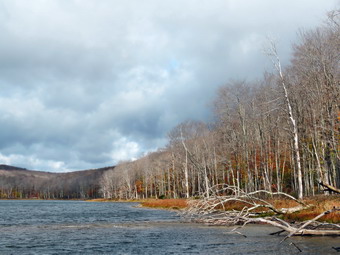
(212, 210)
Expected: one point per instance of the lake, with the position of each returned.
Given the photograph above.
(77, 227)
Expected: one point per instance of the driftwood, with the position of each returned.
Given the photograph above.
(329, 187)
(212, 210)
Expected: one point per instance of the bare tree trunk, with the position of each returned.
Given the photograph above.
(206, 180)
(186, 175)
(277, 65)
(296, 138)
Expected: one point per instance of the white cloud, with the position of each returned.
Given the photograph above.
(123, 149)
(33, 163)
(89, 83)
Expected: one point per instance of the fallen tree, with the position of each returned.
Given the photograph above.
(329, 188)
(254, 207)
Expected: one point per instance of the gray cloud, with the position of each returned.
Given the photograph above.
(87, 83)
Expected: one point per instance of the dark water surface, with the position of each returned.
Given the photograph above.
(75, 227)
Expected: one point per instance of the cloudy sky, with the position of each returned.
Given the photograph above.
(87, 83)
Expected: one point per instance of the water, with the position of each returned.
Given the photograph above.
(75, 227)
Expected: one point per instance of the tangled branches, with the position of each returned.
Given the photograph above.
(228, 205)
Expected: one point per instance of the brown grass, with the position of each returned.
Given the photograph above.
(320, 205)
(165, 203)
(98, 200)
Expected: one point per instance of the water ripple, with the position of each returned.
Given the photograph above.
(74, 227)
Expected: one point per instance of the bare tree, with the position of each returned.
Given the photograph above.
(277, 63)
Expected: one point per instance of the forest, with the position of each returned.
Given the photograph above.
(20, 183)
(278, 133)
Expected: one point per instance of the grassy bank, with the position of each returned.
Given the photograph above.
(319, 205)
(151, 203)
(174, 204)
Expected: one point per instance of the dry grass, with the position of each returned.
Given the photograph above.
(321, 204)
(165, 203)
(98, 200)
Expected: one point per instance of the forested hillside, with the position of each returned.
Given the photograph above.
(279, 133)
(22, 183)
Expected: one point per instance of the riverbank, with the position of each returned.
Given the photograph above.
(314, 206)
(318, 204)
(171, 204)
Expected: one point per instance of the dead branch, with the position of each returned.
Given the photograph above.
(277, 232)
(329, 187)
(296, 247)
(211, 209)
(303, 227)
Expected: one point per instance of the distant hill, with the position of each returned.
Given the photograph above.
(7, 167)
(16, 182)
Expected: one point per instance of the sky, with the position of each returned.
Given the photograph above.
(87, 83)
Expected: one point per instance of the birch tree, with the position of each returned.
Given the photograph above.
(294, 126)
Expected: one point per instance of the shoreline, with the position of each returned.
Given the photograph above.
(319, 203)
(164, 204)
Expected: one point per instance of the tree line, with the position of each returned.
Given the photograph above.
(25, 184)
(278, 133)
